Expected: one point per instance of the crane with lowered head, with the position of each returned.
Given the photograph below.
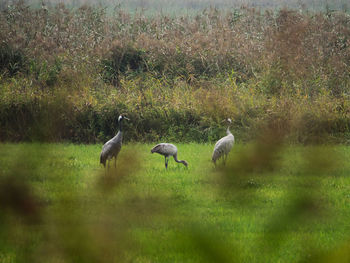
(167, 150)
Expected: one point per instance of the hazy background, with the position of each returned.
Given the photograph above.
(193, 6)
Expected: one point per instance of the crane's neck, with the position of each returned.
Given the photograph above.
(228, 130)
(120, 132)
(120, 126)
(179, 161)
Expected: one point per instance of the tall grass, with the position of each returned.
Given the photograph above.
(75, 70)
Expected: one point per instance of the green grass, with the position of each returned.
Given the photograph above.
(60, 206)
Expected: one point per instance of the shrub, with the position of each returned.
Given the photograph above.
(12, 60)
(122, 60)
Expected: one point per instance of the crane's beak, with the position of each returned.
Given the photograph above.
(127, 118)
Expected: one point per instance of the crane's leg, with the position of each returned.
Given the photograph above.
(166, 162)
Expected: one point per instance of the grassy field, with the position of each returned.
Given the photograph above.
(277, 204)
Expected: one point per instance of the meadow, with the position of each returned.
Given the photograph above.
(277, 204)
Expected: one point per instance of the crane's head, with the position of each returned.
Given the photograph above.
(228, 120)
(185, 163)
(122, 117)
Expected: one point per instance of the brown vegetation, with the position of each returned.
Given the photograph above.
(176, 76)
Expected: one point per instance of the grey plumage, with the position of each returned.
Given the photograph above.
(112, 148)
(167, 150)
(223, 146)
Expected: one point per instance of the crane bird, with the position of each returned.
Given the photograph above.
(223, 146)
(112, 148)
(168, 149)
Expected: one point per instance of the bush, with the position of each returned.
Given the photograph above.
(122, 60)
(45, 74)
(160, 111)
(12, 60)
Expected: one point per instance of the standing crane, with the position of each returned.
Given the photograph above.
(168, 149)
(223, 146)
(112, 148)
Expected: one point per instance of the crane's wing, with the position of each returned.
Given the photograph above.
(218, 150)
(164, 149)
(223, 146)
(106, 150)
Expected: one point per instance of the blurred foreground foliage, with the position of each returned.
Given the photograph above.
(271, 203)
